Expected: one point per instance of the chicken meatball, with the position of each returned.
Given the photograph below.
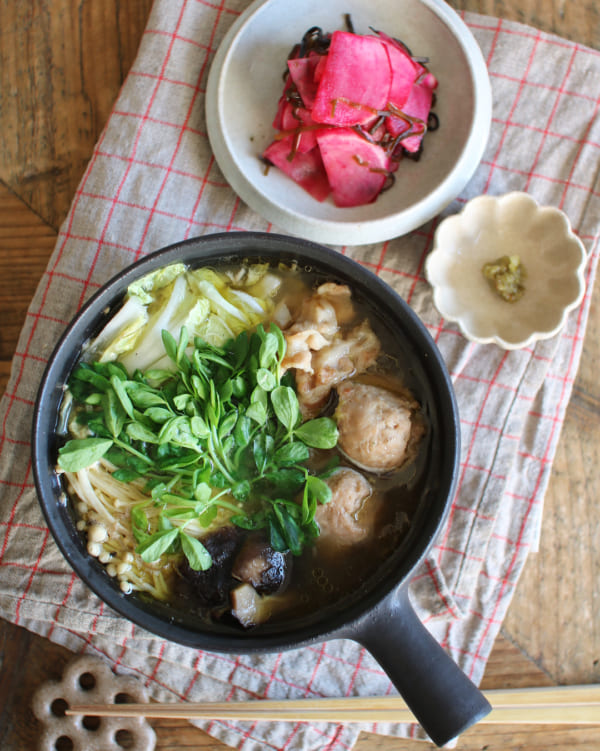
(347, 518)
(377, 428)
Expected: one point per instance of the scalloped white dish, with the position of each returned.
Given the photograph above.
(245, 83)
(491, 227)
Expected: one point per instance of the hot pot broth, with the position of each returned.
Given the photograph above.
(237, 535)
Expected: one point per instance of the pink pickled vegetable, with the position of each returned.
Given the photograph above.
(356, 80)
(414, 100)
(404, 74)
(277, 120)
(298, 122)
(351, 107)
(302, 71)
(304, 168)
(417, 107)
(357, 170)
(318, 75)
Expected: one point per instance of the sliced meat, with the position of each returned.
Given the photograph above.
(318, 312)
(324, 348)
(347, 519)
(346, 356)
(301, 343)
(377, 428)
(340, 297)
(267, 570)
(353, 353)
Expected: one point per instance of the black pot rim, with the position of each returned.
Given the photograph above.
(89, 320)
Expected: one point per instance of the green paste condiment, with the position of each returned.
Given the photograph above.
(506, 276)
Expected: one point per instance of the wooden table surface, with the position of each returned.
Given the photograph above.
(62, 63)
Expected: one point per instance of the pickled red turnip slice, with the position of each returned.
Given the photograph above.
(320, 68)
(417, 108)
(281, 106)
(299, 122)
(357, 170)
(306, 168)
(404, 74)
(302, 71)
(355, 82)
(418, 95)
(418, 105)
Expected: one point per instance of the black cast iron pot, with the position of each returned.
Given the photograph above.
(379, 616)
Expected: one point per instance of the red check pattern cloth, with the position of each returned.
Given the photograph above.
(153, 180)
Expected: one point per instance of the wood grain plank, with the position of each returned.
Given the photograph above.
(23, 235)
(498, 738)
(61, 71)
(579, 21)
(556, 606)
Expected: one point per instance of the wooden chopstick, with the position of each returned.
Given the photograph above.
(553, 705)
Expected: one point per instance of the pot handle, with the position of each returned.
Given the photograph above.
(442, 698)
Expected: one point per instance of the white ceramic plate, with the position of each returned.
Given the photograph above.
(488, 228)
(245, 83)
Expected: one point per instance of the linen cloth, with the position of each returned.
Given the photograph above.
(152, 181)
